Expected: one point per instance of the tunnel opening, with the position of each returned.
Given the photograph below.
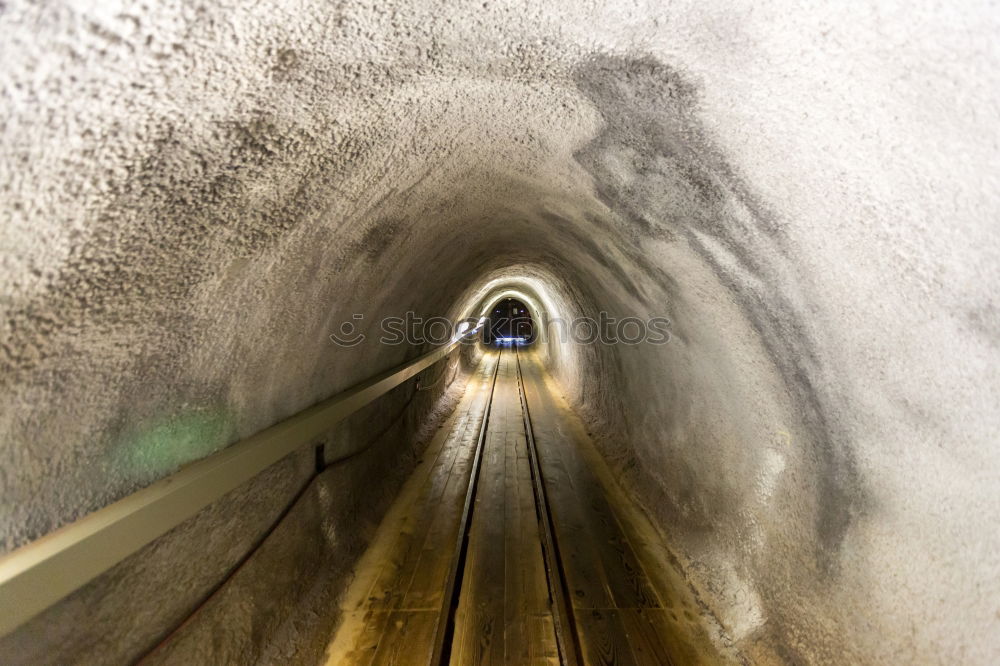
(509, 323)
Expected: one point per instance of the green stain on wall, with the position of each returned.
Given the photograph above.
(164, 445)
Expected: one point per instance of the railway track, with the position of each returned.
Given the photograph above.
(510, 546)
(564, 628)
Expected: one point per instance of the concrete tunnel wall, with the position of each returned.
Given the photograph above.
(194, 196)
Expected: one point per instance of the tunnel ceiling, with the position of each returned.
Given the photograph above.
(195, 196)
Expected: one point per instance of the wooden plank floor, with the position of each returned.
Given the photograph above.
(391, 610)
(630, 605)
(611, 563)
(504, 613)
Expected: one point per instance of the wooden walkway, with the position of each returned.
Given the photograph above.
(564, 571)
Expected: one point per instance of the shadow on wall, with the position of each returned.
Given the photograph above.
(650, 112)
(656, 168)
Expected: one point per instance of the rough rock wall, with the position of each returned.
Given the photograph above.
(254, 577)
(195, 195)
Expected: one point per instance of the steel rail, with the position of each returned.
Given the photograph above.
(449, 604)
(567, 638)
(45, 571)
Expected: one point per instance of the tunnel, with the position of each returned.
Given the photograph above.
(253, 409)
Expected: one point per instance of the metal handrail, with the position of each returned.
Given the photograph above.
(43, 572)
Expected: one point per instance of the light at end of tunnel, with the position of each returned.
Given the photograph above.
(463, 329)
(508, 341)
